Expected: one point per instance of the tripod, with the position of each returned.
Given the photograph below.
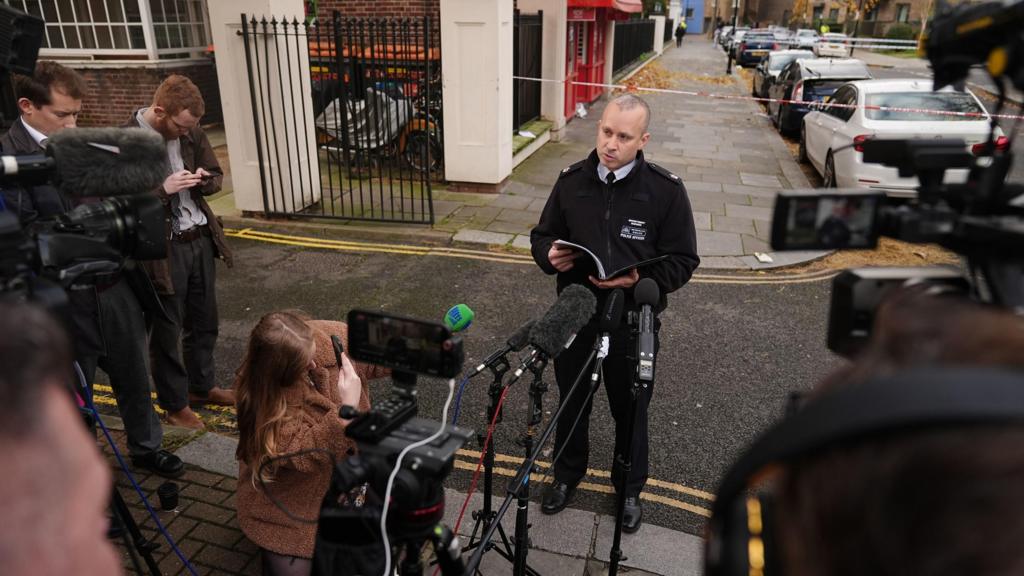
(123, 524)
(487, 516)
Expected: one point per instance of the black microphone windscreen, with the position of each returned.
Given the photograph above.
(521, 338)
(571, 312)
(647, 292)
(102, 162)
(612, 310)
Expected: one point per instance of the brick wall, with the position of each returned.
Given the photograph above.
(382, 8)
(114, 93)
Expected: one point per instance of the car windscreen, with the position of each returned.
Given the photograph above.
(943, 101)
(758, 38)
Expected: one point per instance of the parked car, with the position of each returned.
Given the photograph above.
(769, 68)
(809, 81)
(830, 137)
(833, 45)
(754, 47)
(734, 41)
(805, 39)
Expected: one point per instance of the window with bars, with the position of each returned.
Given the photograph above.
(111, 28)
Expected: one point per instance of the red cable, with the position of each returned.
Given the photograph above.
(479, 463)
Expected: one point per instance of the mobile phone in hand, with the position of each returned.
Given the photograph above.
(338, 349)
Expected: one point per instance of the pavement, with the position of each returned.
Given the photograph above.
(727, 152)
(205, 527)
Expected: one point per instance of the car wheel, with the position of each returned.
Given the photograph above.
(830, 172)
(778, 120)
(802, 153)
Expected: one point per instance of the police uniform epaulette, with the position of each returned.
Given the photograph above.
(675, 179)
(571, 168)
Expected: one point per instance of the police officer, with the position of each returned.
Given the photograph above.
(625, 210)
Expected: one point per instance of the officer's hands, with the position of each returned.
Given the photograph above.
(561, 257)
(626, 280)
(181, 180)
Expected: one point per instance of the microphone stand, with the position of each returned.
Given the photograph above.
(486, 516)
(526, 468)
(625, 461)
(522, 537)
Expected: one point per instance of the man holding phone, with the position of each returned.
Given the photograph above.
(181, 349)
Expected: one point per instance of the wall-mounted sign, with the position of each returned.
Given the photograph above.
(586, 14)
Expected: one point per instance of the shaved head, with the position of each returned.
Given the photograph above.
(628, 102)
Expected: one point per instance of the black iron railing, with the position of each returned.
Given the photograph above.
(347, 116)
(633, 39)
(527, 54)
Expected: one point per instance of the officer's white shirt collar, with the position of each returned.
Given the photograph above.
(39, 136)
(602, 171)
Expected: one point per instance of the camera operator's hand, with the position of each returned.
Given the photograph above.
(181, 180)
(350, 387)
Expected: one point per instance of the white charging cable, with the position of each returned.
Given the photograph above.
(398, 466)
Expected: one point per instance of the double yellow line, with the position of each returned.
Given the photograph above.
(505, 258)
(595, 481)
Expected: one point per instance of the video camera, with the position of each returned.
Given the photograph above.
(982, 220)
(349, 538)
(41, 259)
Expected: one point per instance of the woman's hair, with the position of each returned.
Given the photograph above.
(932, 501)
(280, 350)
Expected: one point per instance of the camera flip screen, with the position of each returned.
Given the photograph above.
(404, 344)
(826, 221)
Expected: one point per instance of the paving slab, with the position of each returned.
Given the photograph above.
(211, 452)
(719, 243)
(653, 549)
(751, 212)
(702, 220)
(522, 241)
(482, 237)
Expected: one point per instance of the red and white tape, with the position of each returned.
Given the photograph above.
(630, 87)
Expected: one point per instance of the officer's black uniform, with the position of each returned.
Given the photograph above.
(645, 214)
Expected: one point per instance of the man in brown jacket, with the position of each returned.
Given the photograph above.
(186, 279)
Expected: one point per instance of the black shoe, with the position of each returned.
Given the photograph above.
(556, 496)
(633, 515)
(160, 461)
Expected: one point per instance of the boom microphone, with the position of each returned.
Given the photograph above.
(100, 162)
(515, 343)
(571, 312)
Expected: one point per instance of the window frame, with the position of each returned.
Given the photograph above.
(150, 53)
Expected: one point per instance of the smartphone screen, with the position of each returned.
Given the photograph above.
(404, 343)
(812, 221)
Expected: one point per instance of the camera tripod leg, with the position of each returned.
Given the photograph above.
(145, 548)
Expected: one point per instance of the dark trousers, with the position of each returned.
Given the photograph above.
(679, 41)
(124, 332)
(619, 369)
(191, 332)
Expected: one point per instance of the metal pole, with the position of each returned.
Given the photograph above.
(856, 25)
(735, 17)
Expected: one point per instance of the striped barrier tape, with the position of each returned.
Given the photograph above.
(631, 87)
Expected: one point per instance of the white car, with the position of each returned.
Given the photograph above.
(805, 39)
(833, 45)
(830, 137)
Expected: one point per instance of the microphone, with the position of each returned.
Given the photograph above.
(459, 317)
(557, 329)
(100, 162)
(647, 294)
(28, 170)
(515, 343)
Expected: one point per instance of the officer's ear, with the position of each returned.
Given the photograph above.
(644, 139)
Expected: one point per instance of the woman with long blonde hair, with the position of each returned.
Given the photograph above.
(289, 392)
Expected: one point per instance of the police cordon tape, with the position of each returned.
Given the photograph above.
(630, 87)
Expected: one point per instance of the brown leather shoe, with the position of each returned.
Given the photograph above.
(216, 396)
(185, 418)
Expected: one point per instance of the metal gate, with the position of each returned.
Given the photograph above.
(347, 115)
(527, 52)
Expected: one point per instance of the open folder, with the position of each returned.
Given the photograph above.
(602, 272)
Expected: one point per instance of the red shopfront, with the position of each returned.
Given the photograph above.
(585, 46)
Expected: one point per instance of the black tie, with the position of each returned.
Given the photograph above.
(610, 178)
